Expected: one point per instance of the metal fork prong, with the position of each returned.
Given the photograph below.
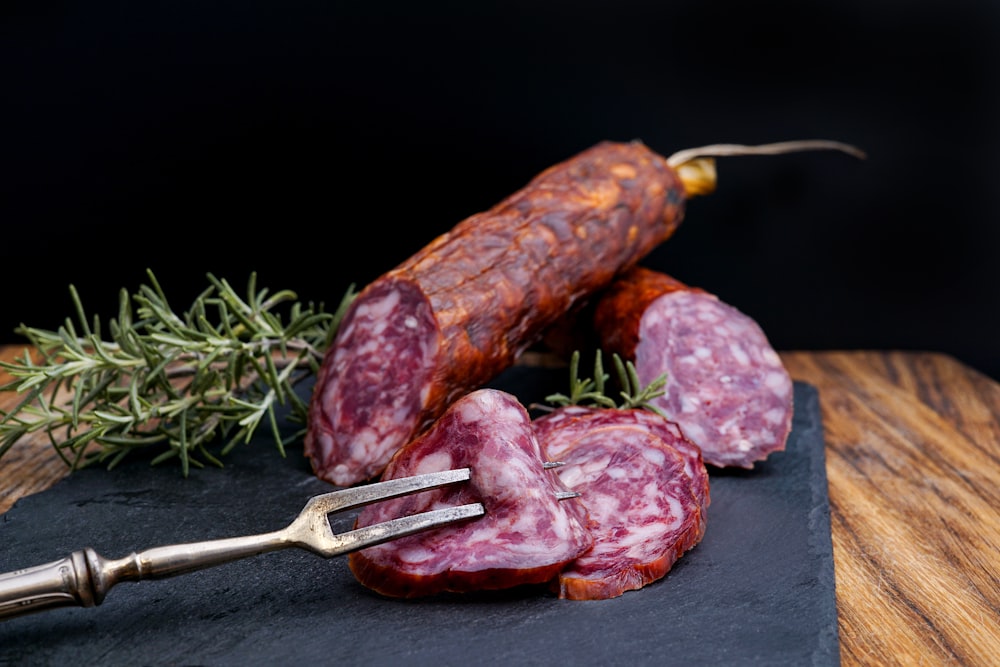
(358, 496)
(377, 533)
(560, 495)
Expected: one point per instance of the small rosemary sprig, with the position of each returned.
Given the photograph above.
(591, 391)
(175, 382)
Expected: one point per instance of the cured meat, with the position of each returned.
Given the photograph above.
(642, 503)
(725, 385)
(461, 310)
(526, 536)
(557, 430)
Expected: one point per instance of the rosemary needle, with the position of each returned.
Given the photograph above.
(591, 391)
(167, 382)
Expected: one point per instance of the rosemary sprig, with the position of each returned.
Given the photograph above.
(591, 391)
(174, 382)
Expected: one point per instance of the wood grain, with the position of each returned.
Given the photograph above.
(913, 464)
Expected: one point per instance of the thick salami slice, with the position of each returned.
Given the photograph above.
(726, 386)
(526, 536)
(642, 505)
(461, 310)
(559, 429)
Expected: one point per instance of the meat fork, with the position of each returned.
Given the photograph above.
(84, 578)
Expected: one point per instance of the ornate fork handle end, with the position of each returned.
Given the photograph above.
(68, 582)
(84, 578)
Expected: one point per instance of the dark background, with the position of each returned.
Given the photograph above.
(320, 143)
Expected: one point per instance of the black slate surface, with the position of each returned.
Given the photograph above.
(758, 589)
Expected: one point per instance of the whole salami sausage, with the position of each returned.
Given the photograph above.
(726, 386)
(527, 534)
(461, 310)
(642, 504)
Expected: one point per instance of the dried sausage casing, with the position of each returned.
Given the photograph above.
(463, 308)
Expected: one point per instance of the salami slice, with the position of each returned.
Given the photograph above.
(559, 429)
(726, 386)
(642, 505)
(462, 309)
(526, 536)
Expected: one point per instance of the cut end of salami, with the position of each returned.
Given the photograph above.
(527, 534)
(371, 389)
(726, 386)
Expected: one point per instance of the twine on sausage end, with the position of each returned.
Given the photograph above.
(696, 166)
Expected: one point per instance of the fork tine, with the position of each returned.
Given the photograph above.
(560, 495)
(313, 531)
(319, 507)
(377, 533)
(358, 496)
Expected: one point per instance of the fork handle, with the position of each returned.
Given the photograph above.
(61, 583)
(84, 578)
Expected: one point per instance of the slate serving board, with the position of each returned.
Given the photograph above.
(758, 589)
